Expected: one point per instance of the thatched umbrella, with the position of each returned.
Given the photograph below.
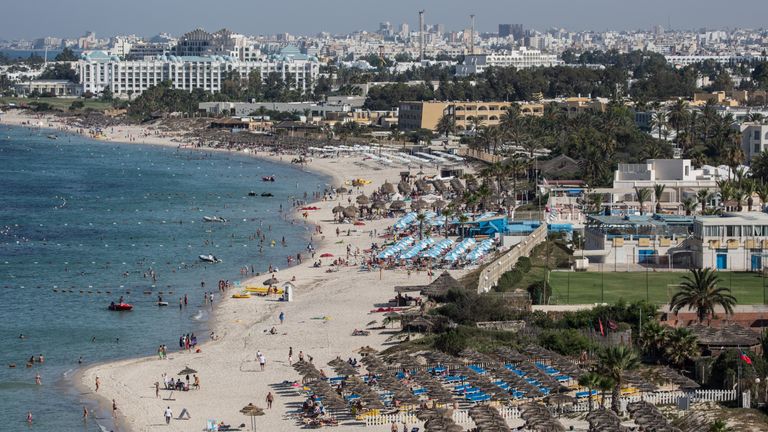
(397, 205)
(350, 211)
(187, 371)
(271, 281)
(363, 200)
(379, 205)
(419, 204)
(404, 188)
(388, 188)
(252, 411)
(456, 185)
(342, 190)
(338, 209)
(439, 204)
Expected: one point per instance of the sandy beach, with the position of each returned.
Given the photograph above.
(328, 307)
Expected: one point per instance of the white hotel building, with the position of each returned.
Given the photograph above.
(524, 58)
(99, 71)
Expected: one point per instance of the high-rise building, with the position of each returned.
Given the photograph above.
(514, 30)
(405, 31)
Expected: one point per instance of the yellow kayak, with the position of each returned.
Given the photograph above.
(263, 290)
(241, 295)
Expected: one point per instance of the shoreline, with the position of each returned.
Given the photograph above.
(75, 381)
(339, 303)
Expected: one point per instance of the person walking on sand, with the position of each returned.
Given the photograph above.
(270, 399)
(262, 361)
(98, 383)
(282, 317)
(157, 389)
(114, 409)
(290, 356)
(168, 415)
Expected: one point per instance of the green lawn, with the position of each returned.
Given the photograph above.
(57, 103)
(589, 287)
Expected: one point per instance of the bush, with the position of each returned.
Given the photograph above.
(508, 280)
(540, 292)
(523, 264)
(451, 343)
(567, 342)
(77, 105)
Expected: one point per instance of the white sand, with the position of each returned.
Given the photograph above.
(227, 367)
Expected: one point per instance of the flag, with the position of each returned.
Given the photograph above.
(602, 331)
(612, 325)
(746, 358)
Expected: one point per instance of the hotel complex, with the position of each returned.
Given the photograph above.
(99, 71)
(524, 58)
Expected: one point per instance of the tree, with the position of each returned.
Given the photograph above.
(653, 338)
(613, 362)
(659, 121)
(759, 166)
(446, 125)
(421, 217)
(658, 189)
(106, 95)
(689, 206)
(703, 196)
(605, 384)
(681, 346)
(78, 104)
(66, 55)
(748, 187)
(699, 290)
(590, 380)
(447, 212)
(643, 195)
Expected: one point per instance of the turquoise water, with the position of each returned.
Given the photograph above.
(81, 215)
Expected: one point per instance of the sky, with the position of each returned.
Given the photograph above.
(71, 18)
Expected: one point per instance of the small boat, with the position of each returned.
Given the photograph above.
(266, 194)
(120, 306)
(268, 178)
(241, 296)
(209, 258)
(252, 193)
(53, 137)
(162, 303)
(213, 219)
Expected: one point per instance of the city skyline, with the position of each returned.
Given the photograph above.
(342, 17)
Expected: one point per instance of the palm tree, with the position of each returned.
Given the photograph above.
(761, 189)
(703, 195)
(446, 125)
(590, 380)
(678, 114)
(643, 195)
(749, 187)
(605, 384)
(659, 121)
(515, 165)
(447, 212)
(612, 362)
(421, 217)
(689, 206)
(699, 290)
(681, 346)
(595, 202)
(658, 189)
(653, 338)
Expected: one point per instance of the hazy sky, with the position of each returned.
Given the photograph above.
(69, 18)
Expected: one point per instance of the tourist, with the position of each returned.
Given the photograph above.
(196, 383)
(270, 399)
(114, 409)
(394, 427)
(29, 417)
(85, 414)
(262, 361)
(98, 383)
(301, 356)
(290, 356)
(38, 380)
(282, 317)
(157, 389)
(168, 414)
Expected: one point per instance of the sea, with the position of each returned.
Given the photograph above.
(84, 222)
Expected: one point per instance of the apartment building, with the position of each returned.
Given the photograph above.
(754, 140)
(524, 58)
(468, 115)
(98, 71)
(731, 242)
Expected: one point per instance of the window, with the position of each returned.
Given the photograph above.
(757, 134)
(757, 148)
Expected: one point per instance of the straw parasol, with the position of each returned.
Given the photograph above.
(187, 371)
(404, 188)
(363, 200)
(397, 205)
(419, 204)
(379, 205)
(388, 188)
(350, 211)
(252, 411)
(439, 204)
(338, 209)
(342, 190)
(271, 281)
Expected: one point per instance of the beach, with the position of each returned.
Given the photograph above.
(328, 307)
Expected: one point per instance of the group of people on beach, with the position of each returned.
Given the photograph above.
(187, 341)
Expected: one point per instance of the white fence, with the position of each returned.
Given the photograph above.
(493, 271)
(512, 413)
